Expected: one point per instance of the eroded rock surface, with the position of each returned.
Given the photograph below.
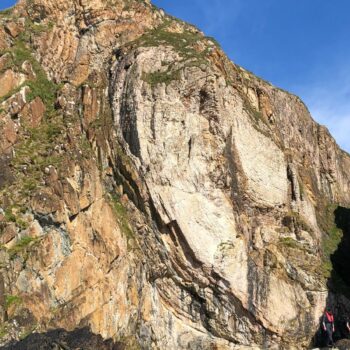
(154, 192)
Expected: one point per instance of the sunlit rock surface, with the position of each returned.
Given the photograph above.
(154, 195)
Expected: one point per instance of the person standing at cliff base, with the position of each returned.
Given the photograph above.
(328, 326)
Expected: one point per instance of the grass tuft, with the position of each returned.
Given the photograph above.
(11, 300)
(290, 242)
(184, 43)
(123, 218)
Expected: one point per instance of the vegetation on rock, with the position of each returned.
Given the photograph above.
(123, 219)
(12, 300)
(192, 47)
(332, 236)
(222, 239)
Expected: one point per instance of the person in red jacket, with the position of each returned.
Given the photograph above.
(328, 326)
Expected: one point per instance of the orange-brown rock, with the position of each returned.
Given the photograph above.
(8, 234)
(33, 113)
(4, 61)
(170, 199)
(8, 132)
(14, 28)
(10, 80)
(34, 230)
(14, 104)
(265, 106)
(3, 41)
(45, 202)
(91, 105)
(81, 71)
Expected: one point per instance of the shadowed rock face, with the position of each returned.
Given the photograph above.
(156, 192)
(60, 339)
(340, 257)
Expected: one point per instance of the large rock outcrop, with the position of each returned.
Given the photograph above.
(155, 193)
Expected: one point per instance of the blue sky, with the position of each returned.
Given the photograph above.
(299, 45)
(6, 3)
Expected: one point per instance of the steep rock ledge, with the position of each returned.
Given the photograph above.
(154, 191)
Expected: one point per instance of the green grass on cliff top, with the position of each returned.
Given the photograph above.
(184, 43)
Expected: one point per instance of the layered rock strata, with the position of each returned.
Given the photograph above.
(155, 192)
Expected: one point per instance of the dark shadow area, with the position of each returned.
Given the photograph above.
(339, 282)
(60, 339)
(338, 299)
(340, 278)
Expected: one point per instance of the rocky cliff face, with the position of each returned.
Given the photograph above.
(155, 193)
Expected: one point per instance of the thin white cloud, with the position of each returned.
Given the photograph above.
(328, 99)
(337, 122)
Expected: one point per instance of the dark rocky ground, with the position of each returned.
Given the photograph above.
(84, 339)
(59, 339)
(343, 344)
